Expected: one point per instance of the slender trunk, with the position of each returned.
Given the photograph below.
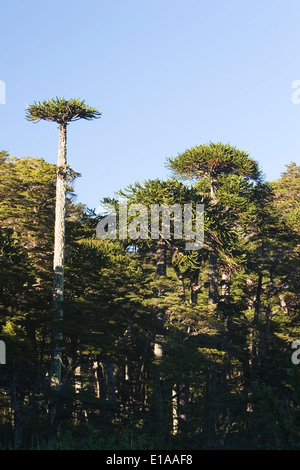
(101, 391)
(158, 399)
(194, 286)
(213, 259)
(111, 389)
(250, 297)
(157, 404)
(100, 387)
(18, 433)
(161, 258)
(254, 332)
(158, 356)
(111, 380)
(257, 299)
(180, 280)
(17, 403)
(226, 415)
(210, 413)
(180, 403)
(226, 278)
(268, 315)
(58, 267)
(267, 331)
(138, 398)
(253, 362)
(213, 278)
(213, 186)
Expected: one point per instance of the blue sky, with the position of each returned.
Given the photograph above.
(166, 75)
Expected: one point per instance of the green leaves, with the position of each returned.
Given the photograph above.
(61, 111)
(287, 195)
(214, 159)
(225, 372)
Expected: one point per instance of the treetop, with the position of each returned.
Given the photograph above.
(61, 111)
(214, 159)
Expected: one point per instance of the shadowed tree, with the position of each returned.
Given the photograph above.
(62, 112)
(287, 195)
(211, 162)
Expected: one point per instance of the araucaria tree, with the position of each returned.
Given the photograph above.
(163, 347)
(62, 112)
(213, 160)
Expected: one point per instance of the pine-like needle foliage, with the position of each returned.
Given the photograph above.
(61, 111)
(214, 159)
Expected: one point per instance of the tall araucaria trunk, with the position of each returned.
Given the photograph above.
(226, 278)
(62, 112)
(180, 279)
(161, 258)
(158, 411)
(213, 258)
(254, 332)
(58, 284)
(213, 277)
(59, 250)
(213, 186)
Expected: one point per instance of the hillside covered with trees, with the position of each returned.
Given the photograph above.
(161, 347)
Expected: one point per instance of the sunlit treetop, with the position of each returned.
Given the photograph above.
(61, 111)
(214, 159)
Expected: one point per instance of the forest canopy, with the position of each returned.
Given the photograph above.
(162, 347)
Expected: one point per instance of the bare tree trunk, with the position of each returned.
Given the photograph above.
(101, 390)
(17, 403)
(180, 279)
(180, 403)
(226, 416)
(111, 389)
(158, 399)
(161, 258)
(194, 286)
(213, 259)
(213, 278)
(111, 380)
(254, 341)
(138, 385)
(226, 278)
(267, 331)
(253, 346)
(213, 186)
(268, 315)
(254, 332)
(226, 275)
(58, 267)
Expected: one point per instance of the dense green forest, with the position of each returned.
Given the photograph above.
(162, 347)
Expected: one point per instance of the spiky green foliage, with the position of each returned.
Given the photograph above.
(213, 160)
(226, 372)
(61, 111)
(287, 195)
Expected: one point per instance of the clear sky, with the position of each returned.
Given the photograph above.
(166, 75)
